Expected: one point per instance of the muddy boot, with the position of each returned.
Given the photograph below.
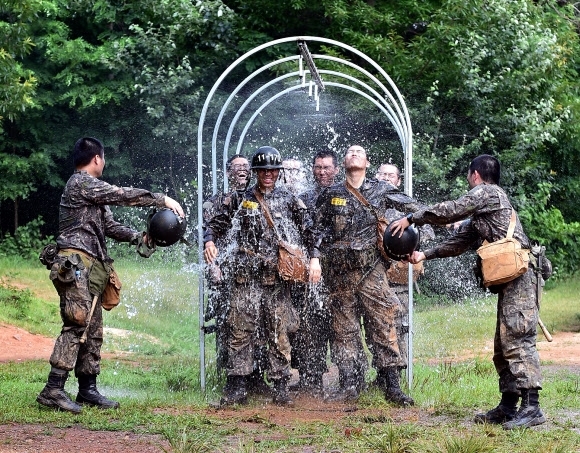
(504, 412)
(234, 391)
(281, 395)
(310, 384)
(529, 413)
(349, 390)
(53, 394)
(89, 395)
(256, 384)
(393, 392)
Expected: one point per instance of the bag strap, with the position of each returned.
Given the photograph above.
(360, 198)
(512, 226)
(266, 211)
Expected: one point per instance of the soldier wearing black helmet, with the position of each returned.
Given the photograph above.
(259, 298)
(488, 213)
(85, 219)
(219, 287)
(345, 233)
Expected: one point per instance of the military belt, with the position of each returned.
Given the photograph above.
(87, 260)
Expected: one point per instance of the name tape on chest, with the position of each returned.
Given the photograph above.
(338, 201)
(247, 204)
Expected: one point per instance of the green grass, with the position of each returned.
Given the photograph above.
(156, 379)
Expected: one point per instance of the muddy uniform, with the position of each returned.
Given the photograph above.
(344, 232)
(515, 356)
(259, 298)
(84, 222)
(219, 287)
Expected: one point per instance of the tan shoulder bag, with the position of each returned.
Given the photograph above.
(292, 262)
(504, 260)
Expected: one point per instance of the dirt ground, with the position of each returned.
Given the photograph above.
(19, 345)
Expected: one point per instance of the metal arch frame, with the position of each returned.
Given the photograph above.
(284, 60)
(288, 90)
(407, 149)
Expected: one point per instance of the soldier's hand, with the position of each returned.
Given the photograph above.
(416, 257)
(210, 253)
(314, 270)
(399, 225)
(174, 206)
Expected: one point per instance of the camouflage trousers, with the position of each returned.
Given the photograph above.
(356, 294)
(402, 322)
(310, 342)
(515, 355)
(75, 305)
(253, 308)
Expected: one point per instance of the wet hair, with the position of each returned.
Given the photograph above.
(232, 158)
(326, 153)
(85, 149)
(488, 167)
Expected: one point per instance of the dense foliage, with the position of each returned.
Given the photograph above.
(496, 76)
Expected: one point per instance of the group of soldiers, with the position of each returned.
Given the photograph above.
(267, 325)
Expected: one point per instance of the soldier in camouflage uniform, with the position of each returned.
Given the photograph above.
(259, 298)
(515, 356)
(238, 174)
(84, 221)
(310, 342)
(344, 232)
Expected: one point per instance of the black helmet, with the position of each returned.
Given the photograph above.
(267, 158)
(397, 248)
(166, 227)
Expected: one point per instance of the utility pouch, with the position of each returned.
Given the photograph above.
(65, 268)
(504, 260)
(112, 293)
(292, 264)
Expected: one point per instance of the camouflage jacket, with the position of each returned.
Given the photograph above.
(85, 219)
(241, 213)
(489, 210)
(309, 198)
(341, 221)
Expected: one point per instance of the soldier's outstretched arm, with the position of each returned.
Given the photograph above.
(210, 252)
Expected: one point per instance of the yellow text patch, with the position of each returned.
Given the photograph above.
(338, 201)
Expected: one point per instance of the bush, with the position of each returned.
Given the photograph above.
(27, 241)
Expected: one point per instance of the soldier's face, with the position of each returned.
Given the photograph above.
(239, 172)
(324, 171)
(356, 158)
(390, 174)
(267, 178)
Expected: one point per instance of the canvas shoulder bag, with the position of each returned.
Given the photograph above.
(292, 262)
(504, 260)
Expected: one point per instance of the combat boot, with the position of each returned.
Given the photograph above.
(53, 394)
(310, 384)
(529, 413)
(256, 385)
(281, 395)
(393, 392)
(504, 412)
(234, 391)
(89, 395)
(349, 390)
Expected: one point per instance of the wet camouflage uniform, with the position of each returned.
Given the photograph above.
(218, 290)
(515, 356)
(259, 299)
(84, 222)
(344, 233)
(310, 342)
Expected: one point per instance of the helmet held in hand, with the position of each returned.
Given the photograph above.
(397, 248)
(166, 227)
